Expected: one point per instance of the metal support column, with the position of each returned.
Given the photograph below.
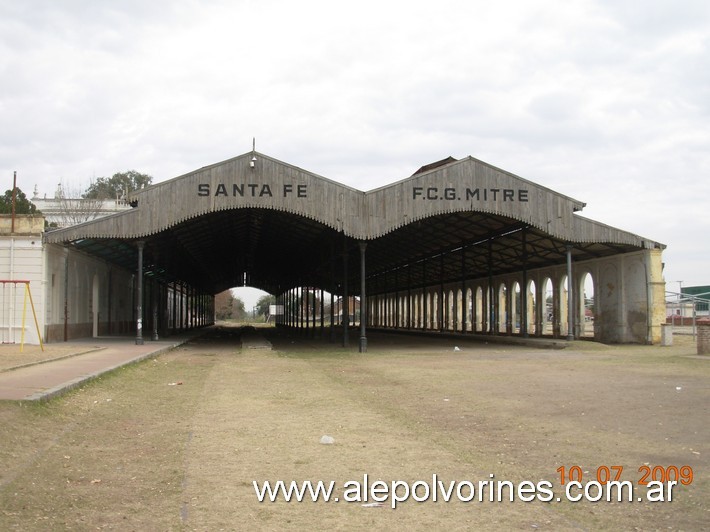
(174, 307)
(346, 304)
(425, 316)
(139, 295)
(154, 290)
(570, 296)
(313, 327)
(409, 296)
(440, 310)
(307, 299)
(363, 300)
(463, 309)
(301, 311)
(524, 289)
(386, 305)
(492, 302)
(397, 316)
(333, 288)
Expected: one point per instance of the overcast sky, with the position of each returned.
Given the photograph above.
(605, 101)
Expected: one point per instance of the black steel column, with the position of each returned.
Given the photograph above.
(306, 311)
(110, 292)
(154, 303)
(322, 309)
(570, 296)
(289, 310)
(346, 304)
(139, 295)
(409, 296)
(174, 305)
(331, 333)
(524, 289)
(363, 300)
(442, 325)
(313, 328)
(386, 305)
(301, 311)
(464, 299)
(492, 303)
(396, 299)
(424, 298)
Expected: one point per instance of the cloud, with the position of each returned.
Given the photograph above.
(600, 100)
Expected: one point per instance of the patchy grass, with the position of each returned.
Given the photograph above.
(131, 451)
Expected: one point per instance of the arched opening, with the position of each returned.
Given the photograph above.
(532, 320)
(587, 307)
(564, 306)
(479, 309)
(403, 309)
(451, 311)
(516, 308)
(549, 300)
(416, 310)
(502, 309)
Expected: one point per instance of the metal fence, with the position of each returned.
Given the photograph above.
(683, 311)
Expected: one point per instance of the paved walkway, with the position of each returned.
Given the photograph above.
(85, 360)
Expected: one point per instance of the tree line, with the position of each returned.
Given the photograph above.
(229, 307)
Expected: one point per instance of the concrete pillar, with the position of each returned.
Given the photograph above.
(666, 334)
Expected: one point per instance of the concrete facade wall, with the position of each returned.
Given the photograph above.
(85, 296)
(76, 295)
(21, 259)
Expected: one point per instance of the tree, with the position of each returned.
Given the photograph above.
(75, 210)
(238, 312)
(117, 186)
(228, 307)
(263, 303)
(22, 204)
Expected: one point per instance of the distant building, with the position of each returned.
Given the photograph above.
(693, 301)
(60, 211)
(699, 294)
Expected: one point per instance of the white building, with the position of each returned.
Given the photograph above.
(60, 211)
(21, 259)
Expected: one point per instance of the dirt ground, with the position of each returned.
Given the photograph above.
(175, 443)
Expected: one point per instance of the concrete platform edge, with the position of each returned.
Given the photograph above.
(51, 393)
(49, 360)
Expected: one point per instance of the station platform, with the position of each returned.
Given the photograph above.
(42, 375)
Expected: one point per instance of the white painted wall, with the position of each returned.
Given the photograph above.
(21, 259)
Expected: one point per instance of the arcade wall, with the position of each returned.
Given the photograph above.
(85, 296)
(628, 304)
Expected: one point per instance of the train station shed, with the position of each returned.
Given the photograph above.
(460, 247)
